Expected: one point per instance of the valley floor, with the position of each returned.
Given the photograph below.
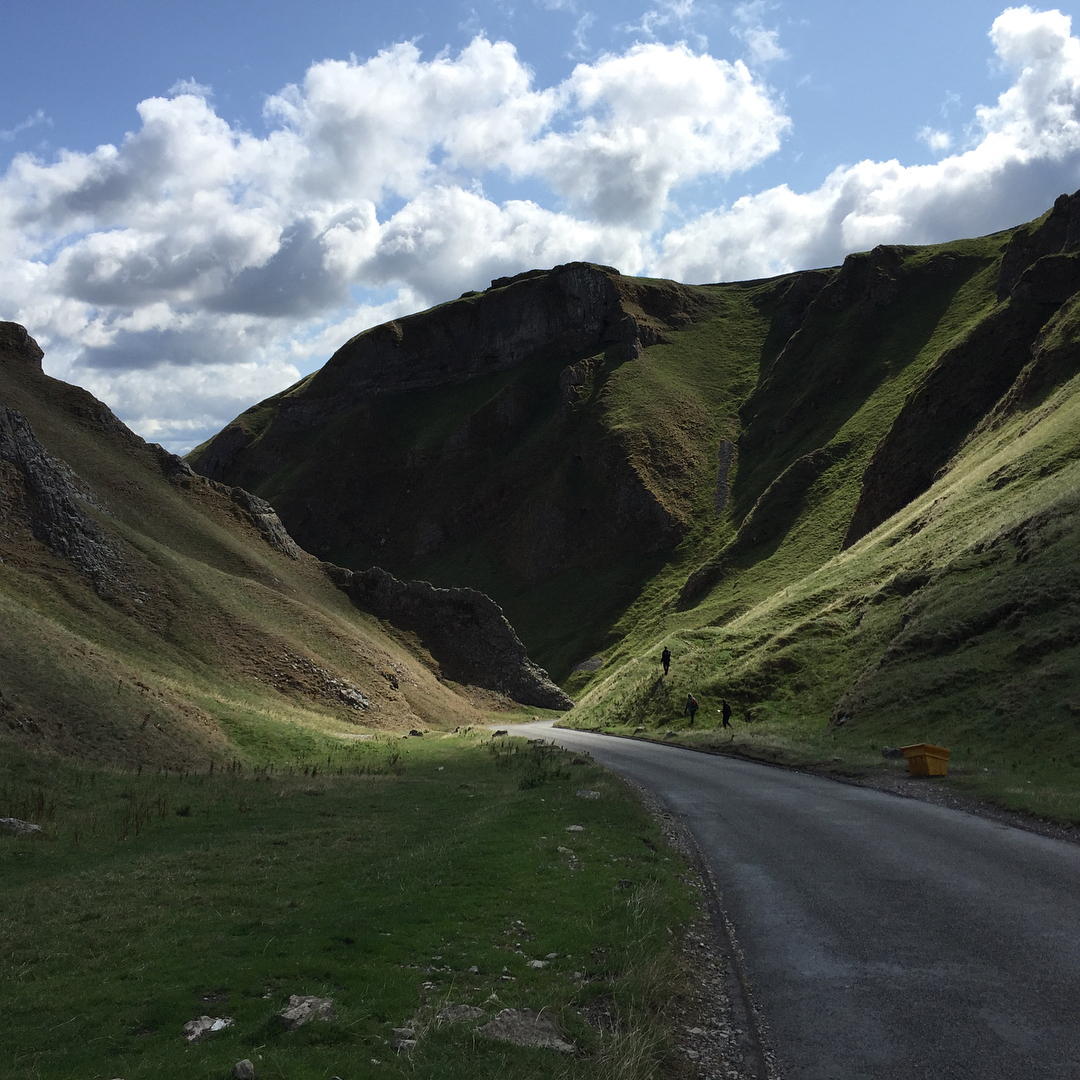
(423, 885)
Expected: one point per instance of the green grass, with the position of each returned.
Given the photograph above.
(956, 623)
(375, 873)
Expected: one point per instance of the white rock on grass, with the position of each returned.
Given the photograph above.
(18, 828)
(523, 1027)
(587, 793)
(194, 1030)
(575, 828)
(303, 1008)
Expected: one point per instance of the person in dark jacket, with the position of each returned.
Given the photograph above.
(725, 713)
(665, 659)
(691, 708)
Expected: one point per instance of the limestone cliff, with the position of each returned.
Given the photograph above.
(462, 628)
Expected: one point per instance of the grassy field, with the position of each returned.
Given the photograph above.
(394, 876)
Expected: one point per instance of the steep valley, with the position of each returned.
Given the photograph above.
(845, 499)
(811, 487)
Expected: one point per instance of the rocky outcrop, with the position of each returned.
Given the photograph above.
(464, 631)
(261, 514)
(53, 502)
(726, 455)
(865, 277)
(1057, 232)
(18, 347)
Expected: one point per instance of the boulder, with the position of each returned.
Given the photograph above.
(303, 1008)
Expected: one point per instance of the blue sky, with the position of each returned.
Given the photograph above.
(200, 201)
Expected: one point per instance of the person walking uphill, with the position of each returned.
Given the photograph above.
(691, 707)
(665, 659)
(725, 713)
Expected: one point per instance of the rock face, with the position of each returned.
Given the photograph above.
(464, 630)
(53, 501)
(576, 308)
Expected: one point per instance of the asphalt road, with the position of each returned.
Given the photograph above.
(883, 937)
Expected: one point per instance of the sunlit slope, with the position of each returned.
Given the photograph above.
(956, 620)
(181, 632)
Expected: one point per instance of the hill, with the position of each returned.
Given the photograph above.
(843, 496)
(151, 616)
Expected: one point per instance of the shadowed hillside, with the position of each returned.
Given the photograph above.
(150, 615)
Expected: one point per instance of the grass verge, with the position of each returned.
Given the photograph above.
(394, 876)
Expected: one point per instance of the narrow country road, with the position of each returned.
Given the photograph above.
(884, 938)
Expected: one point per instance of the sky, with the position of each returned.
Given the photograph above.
(200, 202)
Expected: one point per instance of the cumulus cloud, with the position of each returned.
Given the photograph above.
(1025, 150)
(196, 246)
(197, 266)
(651, 119)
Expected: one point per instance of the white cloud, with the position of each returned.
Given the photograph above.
(197, 266)
(32, 121)
(666, 15)
(938, 141)
(1026, 151)
(194, 246)
(762, 43)
(651, 119)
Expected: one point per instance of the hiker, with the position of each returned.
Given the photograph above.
(691, 707)
(665, 659)
(725, 713)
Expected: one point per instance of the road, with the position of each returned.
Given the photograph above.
(884, 938)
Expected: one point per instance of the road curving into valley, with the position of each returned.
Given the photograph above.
(883, 938)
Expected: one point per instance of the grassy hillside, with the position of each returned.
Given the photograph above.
(212, 740)
(194, 632)
(957, 621)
